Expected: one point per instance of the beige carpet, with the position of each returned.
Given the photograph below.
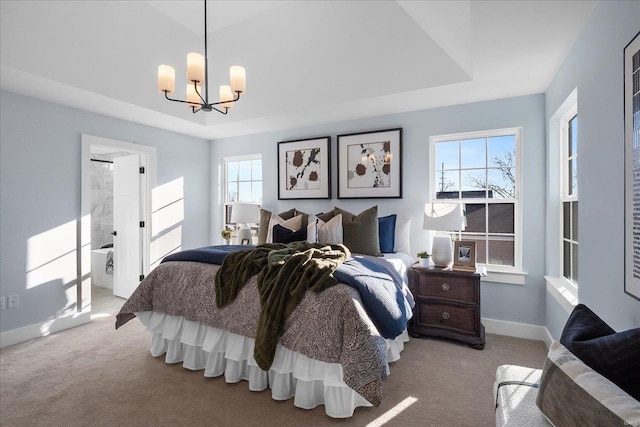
(93, 375)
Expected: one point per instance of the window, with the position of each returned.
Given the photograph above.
(481, 170)
(569, 192)
(242, 182)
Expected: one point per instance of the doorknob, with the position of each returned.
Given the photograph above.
(114, 233)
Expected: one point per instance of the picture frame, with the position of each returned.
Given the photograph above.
(304, 169)
(370, 164)
(245, 242)
(464, 255)
(632, 167)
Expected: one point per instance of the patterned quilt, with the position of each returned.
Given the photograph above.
(331, 326)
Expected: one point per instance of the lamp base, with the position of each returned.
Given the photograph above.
(244, 236)
(442, 250)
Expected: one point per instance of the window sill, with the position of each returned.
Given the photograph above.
(511, 277)
(563, 291)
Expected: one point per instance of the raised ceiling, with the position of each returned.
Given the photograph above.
(307, 62)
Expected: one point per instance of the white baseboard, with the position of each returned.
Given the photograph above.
(518, 330)
(42, 329)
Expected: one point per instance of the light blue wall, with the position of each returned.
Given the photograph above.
(40, 188)
(515, 303)
(595, 66)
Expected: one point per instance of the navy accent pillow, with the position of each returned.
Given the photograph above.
(284, 235)
(614, 355)
(387, 233)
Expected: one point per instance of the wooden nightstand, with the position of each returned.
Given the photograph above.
(447, 305)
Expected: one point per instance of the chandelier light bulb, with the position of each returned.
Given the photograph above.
(166, 78)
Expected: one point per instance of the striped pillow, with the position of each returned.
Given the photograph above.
(572, 394)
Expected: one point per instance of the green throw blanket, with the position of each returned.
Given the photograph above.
(285, 273)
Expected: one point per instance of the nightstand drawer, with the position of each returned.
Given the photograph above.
(445, 286)
(447, 316)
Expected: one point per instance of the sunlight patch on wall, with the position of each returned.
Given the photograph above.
(51, 256)
(167, 215)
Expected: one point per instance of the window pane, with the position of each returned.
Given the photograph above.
(502, 183)
(244, 192)
(501, 217)
(573, 136)
(257, 192)
(566, 259)
(502, 151)
(474, 183)
(569, 178)
(574, 262)
(244, 170)
(232, 171)
(473, 153)
(256, 166)
(447, 155)
(574, 221)
(573, 173)
(501, 250)
(476, 217)
(232, 192)
(566, 220)
(447, 185)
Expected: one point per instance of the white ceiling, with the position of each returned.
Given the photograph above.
(307, 62)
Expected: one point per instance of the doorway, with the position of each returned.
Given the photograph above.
(117, 178)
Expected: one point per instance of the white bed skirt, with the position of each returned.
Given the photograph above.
(310, 382)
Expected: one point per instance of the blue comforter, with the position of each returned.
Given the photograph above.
(380, 288)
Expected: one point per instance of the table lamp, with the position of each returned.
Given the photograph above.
(243, 214)
(442, 218)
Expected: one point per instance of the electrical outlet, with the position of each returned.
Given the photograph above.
(13, 301)
(3, 303)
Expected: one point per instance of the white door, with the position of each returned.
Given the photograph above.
(127, 241)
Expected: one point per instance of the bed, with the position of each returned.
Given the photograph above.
(330, 351)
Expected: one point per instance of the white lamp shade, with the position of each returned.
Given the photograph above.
(242, 213)
(444, 217)
(226, 95)
(195, 67)
(238, 79)
(192, 96)
(166, 78)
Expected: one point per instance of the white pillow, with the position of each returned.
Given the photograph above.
(331, 231)
(403, 234)
(294, 224)
(312, 229)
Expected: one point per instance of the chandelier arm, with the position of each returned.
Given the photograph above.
(224, 102)
(195, 86)
(177, 100)
(226, 110)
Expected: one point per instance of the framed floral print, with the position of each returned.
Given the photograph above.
(370, 165)
(304, 170)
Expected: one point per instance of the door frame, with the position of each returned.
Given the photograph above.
(148, 182)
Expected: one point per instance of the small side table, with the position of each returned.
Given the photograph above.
(447, 305)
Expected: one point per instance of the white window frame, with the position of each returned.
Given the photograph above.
(514, 273)
(560, 288)
(225, 162)
(564, 185)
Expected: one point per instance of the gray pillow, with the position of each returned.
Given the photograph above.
(360, 232)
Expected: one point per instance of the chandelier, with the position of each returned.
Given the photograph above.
(197, 76)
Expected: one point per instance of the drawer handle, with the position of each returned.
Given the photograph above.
(445, 315)
(445, 287)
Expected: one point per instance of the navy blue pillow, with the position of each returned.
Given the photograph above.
(614, 355)
(387, 233)
(284, 235)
